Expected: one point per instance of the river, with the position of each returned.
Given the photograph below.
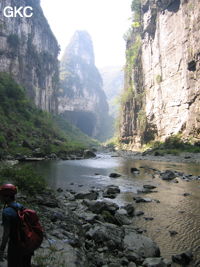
(175, 212)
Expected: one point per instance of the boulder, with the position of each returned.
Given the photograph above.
(130, 209)
(121, 219)
(140, 199)
(92, 195)
(167, 175)
(106, 233)
(88, 154)
(183, 259)
(111, 191)
(114, 175)
(141, 245)
(149, 186)
(154, 262)
(134, 170)
(99, 206)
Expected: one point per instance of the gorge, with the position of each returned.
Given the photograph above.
(102, 205)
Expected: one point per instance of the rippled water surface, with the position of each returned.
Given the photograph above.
(174, 212)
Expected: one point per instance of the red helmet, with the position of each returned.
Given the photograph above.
(8, 190)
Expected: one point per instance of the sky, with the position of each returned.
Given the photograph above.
(105, 20)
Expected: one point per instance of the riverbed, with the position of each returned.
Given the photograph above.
(176, 207)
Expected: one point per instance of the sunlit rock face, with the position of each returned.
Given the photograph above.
(170, 72)
(28, 51)
(81, 98)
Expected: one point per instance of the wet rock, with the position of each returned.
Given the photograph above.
(95, 206)
(122, 218)
(167, 175)
(138, 213)
(149, 186)
(172, 232)
(130, 209)
(154, 262)
(186, 194)
(88, 154)
(148, 218)
(184, 258)
(140, 199)
(135, 170)
(98, 206)
(111, 191)
(59, 190)
(114, 175)
(145, 191)
(92, 195)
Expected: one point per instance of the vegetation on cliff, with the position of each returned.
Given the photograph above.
(26, 130)
(172, 145)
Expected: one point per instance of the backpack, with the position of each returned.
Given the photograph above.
(29, 231)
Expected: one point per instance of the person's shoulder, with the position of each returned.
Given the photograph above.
(11, 209)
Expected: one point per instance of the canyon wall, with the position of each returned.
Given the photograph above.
(28, 51)
(164, 78)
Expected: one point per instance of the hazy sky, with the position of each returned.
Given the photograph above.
(105, 20)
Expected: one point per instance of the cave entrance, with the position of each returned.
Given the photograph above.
(84, 120)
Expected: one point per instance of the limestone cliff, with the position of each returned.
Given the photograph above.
(162, 94)
(28, 51)
(81, 99)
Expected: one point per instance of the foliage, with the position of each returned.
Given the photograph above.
(126, 95)
(24, 177)
(158, 79)
(112, 143)
(172, 145)
(132, 54)
(142, 120)
(136, 8)
(136, 24)
(25, 129)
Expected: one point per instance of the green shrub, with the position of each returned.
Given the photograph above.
(24, 177)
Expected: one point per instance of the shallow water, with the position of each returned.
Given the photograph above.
(174, 212)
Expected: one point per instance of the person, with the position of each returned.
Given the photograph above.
(15, 256)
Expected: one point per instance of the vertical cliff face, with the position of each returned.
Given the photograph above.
(28, 51)
(81, 98)
(165, 73)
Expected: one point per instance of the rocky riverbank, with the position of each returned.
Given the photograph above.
(184, 157)
(88, 229)
(84, 229)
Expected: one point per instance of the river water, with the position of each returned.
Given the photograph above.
(175, 212)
